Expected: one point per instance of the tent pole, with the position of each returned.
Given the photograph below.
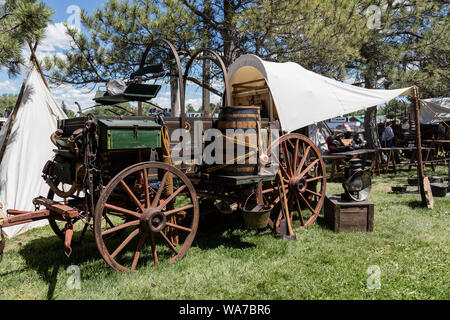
(12, 117)
(420, 168)
(38, 65)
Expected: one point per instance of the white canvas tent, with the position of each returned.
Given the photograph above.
(28, 149)
(435, 110)
(303, 97)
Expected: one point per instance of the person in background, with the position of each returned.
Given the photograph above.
(358, 142)
(388, 135)
(336, 145)
(405, 125)
(441, 131)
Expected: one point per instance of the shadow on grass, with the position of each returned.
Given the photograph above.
(321, 222)
(216, 229)
(414, 204)
(46, 256)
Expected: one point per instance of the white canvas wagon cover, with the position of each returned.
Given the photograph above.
(303, 97)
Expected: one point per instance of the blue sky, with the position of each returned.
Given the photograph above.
(56, 42)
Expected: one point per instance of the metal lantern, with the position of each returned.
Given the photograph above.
(357, 182)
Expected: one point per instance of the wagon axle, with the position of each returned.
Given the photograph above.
(153, 220)
(299, 184)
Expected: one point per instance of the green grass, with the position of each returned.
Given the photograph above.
(410, 245)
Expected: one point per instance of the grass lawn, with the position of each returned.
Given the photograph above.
(410, 245)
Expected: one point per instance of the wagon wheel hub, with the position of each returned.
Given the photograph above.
(154, 220)
(299, 184)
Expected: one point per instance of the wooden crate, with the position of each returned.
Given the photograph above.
(348, 216)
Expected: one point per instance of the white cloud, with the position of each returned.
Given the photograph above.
(55, 41)
(163, 102)
(7, 86)
(218, 84)
(55, 37)
(165, 93)
(69, 94)
(215, 99)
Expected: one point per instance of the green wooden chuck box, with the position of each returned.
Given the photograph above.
(118, 134)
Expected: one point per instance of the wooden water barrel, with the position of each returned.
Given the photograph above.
(240, 117)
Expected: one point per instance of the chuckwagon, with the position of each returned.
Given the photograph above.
(117, 175)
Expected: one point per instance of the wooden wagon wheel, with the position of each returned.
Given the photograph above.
(303, 172)
(57, 226)
(153, 215)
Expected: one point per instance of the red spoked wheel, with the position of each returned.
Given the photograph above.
(304, 177)
(138, 206)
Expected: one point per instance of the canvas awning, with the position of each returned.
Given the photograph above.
(434, 110)
(303, 97)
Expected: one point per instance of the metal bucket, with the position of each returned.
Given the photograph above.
(438, 189)
(255, 215)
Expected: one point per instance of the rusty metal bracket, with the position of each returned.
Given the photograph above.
(68, 238)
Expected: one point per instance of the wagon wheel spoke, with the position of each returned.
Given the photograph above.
(314, 179)
(287, 159)
(160, 189)
(122, 210)
(153, 245)
(168, 242)
(138, 251)
(296, 156)
(303, 160)
(125, 242)
(121, 227)
(285, 173)
(132, 195)
(306, 202)
(176, 210)
(176, 226)
(108, 221)
(171, 197)
(313, 192)
(299, 209)
(308, 168)
(146, 187)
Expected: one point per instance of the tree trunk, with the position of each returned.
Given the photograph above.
(371, 128)
(206, 100)
(370, 119)
(228, 34)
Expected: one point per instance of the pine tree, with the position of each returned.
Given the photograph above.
(408, 46)
(69, 113)
(7, 103)
(21, 22)
(320, 35)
